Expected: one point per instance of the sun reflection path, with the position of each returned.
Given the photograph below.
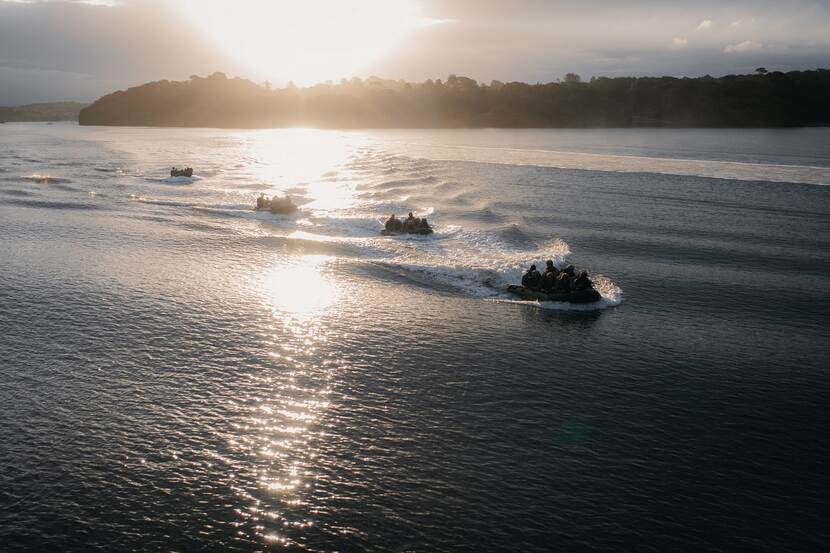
(286, 402)
(288, 157)
(297, 290)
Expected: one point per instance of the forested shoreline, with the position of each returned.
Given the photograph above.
(49, 111)
(763, 99)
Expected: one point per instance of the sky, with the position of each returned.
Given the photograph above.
(81, 50)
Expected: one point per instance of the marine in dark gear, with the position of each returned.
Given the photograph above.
(532, 279)
(563, 283)
(392, 223)
(582, 282)
(549, 276)
(176, 172)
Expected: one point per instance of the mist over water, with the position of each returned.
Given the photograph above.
(181, 372)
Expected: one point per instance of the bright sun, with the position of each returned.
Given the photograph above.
(307, 41)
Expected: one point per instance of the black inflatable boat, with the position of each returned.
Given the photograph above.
(589, 295)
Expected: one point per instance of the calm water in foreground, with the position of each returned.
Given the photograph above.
(181, 373)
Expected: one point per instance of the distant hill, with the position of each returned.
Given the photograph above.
(52, 111)
(764, 99)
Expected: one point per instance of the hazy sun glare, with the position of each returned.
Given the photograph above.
(305, 41)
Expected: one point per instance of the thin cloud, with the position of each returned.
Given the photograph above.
(741, 22)
(705, 25)
(680, 42)
(745, 46)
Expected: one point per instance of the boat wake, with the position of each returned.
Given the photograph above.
(174, 180)
(479, 245)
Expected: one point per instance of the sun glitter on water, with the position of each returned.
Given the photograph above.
(299, 288)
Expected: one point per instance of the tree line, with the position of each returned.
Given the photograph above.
(763, 99)
(50, 111)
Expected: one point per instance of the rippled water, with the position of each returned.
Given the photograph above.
(182, 373)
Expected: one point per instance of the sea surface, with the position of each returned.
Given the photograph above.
(181, 373)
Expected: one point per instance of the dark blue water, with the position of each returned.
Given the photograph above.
(181, 373)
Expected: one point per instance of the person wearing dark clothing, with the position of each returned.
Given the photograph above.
(570, 270)
(563, 283)
(391, 223)
(532, 279)
(411, 223)
(549, 276)
(582, 282)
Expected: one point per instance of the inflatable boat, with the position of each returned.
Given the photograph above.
(277, 205)
(421, 230)
(588, 295)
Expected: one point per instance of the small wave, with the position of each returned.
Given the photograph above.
(205, 227)
(453, 185)
(258, 186)
(483, 214)
(402, 183)
(45, 179)
(52, 205)
(514, 235)
(66, 188)
(241, 212)
(153, 201)
(14, 192)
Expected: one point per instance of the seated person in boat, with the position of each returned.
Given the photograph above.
(282, 205)
(411, 223)
(532, 279)
(582, 282)
(563, 283)
(393, 224)
(175, 172)
(276, 204)
(549, 276)
(263, 202)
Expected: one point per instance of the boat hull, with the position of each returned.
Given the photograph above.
(580, 296)
(399, 233)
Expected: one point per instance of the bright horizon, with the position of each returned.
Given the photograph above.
(81, 50)
(294, 40)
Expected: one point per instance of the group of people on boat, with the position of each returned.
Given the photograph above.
(176, 172)
(276, 204)
(410, 225)
(554, 281)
